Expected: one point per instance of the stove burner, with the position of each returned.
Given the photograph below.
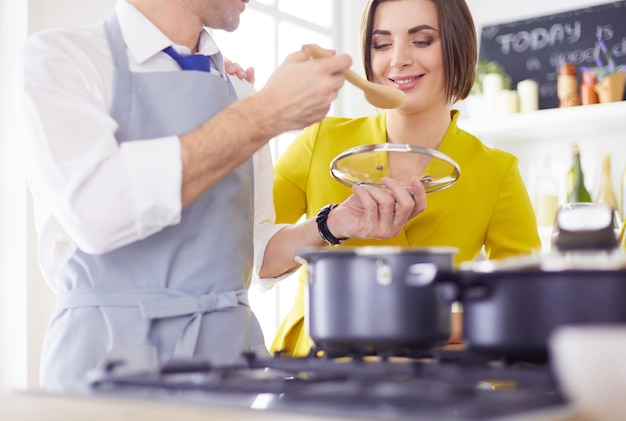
(433, 385)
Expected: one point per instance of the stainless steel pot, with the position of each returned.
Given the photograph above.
(365, 300)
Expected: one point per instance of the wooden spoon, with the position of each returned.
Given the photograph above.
(380, 96)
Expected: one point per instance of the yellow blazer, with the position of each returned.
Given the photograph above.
(487, 207)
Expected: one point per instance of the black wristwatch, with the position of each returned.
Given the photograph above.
(322, 226)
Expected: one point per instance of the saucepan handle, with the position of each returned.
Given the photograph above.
(447, 283)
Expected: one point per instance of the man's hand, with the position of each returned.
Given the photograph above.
(300, 92)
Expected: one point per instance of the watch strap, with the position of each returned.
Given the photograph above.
(322, 226)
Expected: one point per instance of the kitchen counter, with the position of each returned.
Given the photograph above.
(39, 406)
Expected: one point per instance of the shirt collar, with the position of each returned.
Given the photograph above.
(144, 40)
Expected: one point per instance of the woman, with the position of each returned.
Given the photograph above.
(427, 49)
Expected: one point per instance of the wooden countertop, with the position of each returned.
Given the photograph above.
(39, 406)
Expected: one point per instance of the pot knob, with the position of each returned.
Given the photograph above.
(421, 274)
(384, 273)
(445, 282)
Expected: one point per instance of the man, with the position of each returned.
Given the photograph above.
(152, 186)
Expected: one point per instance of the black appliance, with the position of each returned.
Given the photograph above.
(435, 384)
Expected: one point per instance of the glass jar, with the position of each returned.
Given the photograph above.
(588, 94)
(567, 85)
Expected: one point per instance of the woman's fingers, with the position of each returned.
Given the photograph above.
(418, 193)
(236, 70)
(386, 208)
(375, 212)
(384, 211)
(406, 200)
(250, 77)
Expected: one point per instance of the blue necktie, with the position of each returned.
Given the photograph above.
(192, 62)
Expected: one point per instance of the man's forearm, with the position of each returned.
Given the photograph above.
(222, 144)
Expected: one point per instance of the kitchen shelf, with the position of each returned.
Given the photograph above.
(554, 123)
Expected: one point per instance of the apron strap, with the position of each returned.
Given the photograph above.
(159, 304)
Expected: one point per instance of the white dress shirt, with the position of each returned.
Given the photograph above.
(89, 191)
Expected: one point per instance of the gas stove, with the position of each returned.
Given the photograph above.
(437, 384)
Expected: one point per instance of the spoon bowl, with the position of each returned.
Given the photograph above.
(379, 96)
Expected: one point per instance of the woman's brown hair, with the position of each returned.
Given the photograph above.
(458, 38)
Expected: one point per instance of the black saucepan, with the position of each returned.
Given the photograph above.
(512, 312)
(362, 300)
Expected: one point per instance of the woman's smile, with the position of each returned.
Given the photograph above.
(405, 83)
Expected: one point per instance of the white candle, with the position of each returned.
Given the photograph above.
(492, 84)
(506, 102)
(528, 92)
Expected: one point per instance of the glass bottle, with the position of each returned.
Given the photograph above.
(546, 196)
(567, 85)
(579, 192)
(605, 193)
(569, 182)
(588, 94)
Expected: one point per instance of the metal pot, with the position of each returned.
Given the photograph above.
(365, 300)
(511, 310)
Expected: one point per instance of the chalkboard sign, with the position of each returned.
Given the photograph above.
(535, 48)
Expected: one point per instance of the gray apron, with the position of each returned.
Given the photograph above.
(179, 293)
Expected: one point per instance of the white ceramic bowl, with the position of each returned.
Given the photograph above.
(590, 365)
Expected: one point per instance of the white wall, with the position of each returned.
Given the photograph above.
(489, 12)
(50, 13)
(13, 320)
(354, 104)
(25, 301)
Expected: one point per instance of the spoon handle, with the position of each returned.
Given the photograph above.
(315, 51)
(380, 96)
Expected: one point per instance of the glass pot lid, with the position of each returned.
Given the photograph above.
(368, 165)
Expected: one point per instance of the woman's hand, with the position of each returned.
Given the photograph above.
(236, 70)
(371, 212)
(374, 212)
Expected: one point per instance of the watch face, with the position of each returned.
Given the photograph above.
(369, 164)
